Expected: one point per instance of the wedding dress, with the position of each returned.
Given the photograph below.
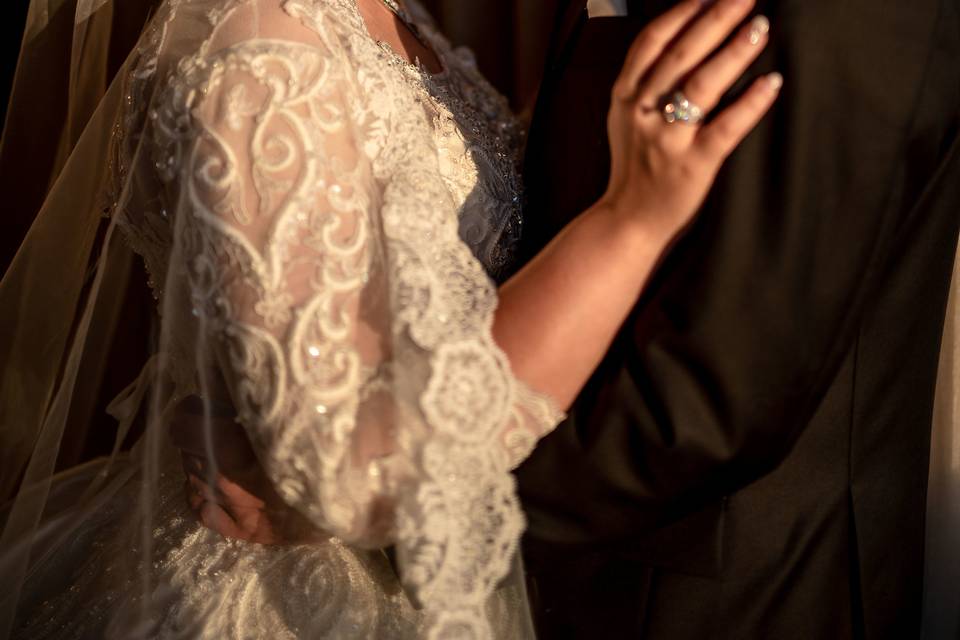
(322, 222)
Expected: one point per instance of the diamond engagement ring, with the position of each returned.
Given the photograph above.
(678, 108)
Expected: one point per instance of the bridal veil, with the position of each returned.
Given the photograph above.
(312, 288)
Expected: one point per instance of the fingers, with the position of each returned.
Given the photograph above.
(231, 511)
(648, 46)
(703, 37)
(717, 140)
(226, 493)
(237, 496)
(713, 79)
(202, 490)
(213, 517)
(255, 526)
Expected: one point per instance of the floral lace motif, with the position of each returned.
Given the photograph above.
(322, 220)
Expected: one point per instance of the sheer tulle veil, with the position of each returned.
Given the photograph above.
(66, 282)
(48, 289)
(82, 126)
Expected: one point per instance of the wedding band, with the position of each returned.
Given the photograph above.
(678, 108)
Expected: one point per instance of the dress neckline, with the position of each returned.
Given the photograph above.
(401, 59)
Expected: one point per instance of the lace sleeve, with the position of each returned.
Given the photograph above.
(334, 303)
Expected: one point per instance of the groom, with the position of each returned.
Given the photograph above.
(750, 460)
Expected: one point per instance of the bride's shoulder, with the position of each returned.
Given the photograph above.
(190, 44)
(203, 28)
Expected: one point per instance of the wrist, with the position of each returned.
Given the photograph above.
(633, 230)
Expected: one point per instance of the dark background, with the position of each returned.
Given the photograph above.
(14, 16)
(509, 37)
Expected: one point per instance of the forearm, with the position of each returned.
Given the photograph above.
(558, 316)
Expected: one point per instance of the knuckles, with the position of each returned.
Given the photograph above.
(638, 119)
(620, 92)
(725, 12)
(677, 56)
(647, 41)
(690, 172)
(697, 87)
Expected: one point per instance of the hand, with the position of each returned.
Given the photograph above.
(662, 172)
(226, 487)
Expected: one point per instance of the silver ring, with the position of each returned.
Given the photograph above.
(678, 108)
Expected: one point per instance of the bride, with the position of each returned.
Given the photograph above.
(324, 194)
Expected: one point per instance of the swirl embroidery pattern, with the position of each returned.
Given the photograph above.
(324, 219)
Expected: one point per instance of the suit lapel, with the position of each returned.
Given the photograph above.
(649, 8)
(567, 23)
(574, 11)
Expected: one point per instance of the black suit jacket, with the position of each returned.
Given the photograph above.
(750, 460)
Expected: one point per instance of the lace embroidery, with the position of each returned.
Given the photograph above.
(335, 213)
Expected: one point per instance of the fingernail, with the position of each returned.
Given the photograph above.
(775, 80)
(759, 27)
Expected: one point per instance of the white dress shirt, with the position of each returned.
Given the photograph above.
(601, 8)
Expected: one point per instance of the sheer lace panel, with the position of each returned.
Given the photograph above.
(321, 219)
